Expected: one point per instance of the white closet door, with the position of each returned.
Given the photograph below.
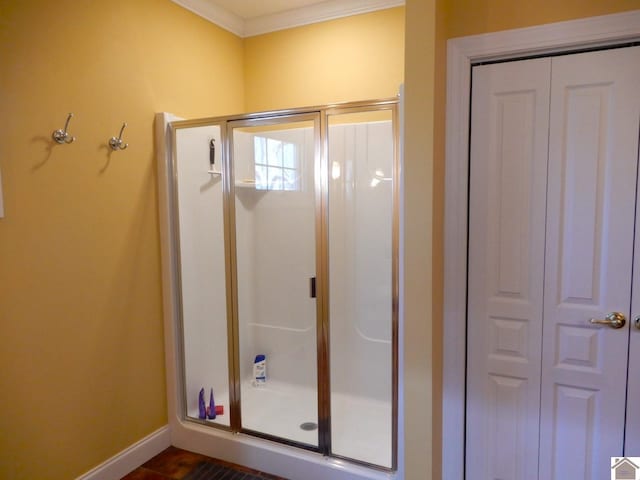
(593, 148)
(632, 432)
(510, 111)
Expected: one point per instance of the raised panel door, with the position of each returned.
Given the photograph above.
(593, 148)
(510, 111)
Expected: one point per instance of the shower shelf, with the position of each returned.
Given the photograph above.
(246, 184)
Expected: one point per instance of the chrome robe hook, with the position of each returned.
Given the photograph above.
(116, 143)
(61, 135)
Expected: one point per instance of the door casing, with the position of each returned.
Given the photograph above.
(461, 54)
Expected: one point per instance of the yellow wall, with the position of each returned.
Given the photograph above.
(423, 162)
(355, 58)
(80, 312)
(82, 359)
(469, 17)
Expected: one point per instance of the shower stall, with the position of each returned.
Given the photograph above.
(280, 258)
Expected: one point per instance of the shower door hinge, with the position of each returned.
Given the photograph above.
(312, 287)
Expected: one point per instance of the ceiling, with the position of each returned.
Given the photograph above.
(258, 8)
(247, 18)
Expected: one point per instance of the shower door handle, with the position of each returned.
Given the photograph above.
(312, 287)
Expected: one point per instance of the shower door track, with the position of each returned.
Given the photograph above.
(319, 114)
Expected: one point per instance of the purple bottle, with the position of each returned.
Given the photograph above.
(211, 410)
(202, 411)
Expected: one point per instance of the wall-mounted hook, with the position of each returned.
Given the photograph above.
(117, 143)
(61, 135)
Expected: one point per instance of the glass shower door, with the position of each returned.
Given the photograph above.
(275, 185)
(199, 210)
(363, 282)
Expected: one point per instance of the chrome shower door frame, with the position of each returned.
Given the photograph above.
(272, 120)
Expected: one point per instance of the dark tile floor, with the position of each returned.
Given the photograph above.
(176, 464)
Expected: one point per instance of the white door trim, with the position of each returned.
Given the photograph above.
(461, 53)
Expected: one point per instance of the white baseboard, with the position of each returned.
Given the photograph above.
(131, 457)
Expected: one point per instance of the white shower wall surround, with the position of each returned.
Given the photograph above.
(360, 267)
(279, 237)
(202, 267)
(275, 258)
(361, 333)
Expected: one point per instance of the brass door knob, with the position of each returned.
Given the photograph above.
(613, 320)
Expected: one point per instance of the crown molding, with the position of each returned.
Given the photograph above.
(215, 14)
(320, 12)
